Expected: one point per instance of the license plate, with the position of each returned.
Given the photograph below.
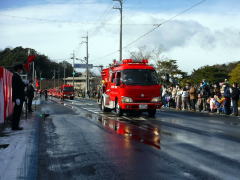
(143, 106)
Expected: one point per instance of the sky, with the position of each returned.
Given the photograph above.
(204, 35)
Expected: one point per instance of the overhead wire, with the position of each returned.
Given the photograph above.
(36, 19)
(74, 22)
(98, 25)
(164, 22)
(101, 20)
(156, 27)
(102, 23)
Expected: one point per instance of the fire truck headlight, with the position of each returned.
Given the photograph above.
(156, 99)
(126, 99)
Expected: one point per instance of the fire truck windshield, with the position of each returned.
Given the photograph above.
(139, 77)
(68, 89)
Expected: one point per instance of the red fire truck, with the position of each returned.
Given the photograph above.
(66, 92)
(130, 86)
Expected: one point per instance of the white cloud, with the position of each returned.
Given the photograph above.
(194, 39)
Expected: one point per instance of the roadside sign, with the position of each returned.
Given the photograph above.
(84, 66)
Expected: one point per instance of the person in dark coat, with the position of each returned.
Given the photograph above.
(30, 95)
(18, 96)
(46, 94)
(235, 98)
(227, 102)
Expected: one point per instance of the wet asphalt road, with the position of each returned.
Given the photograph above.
(78, 141)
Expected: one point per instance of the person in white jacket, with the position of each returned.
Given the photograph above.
(185, 99)
(178, 98)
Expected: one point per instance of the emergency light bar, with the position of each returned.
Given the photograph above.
(128, 61)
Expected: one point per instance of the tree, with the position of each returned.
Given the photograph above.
(212, 74)
(168, 70)
(9, 57)
(140, 54)
(235, 74)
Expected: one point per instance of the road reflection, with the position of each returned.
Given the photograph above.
(133, 129)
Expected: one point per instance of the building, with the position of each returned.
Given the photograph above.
(80, 82)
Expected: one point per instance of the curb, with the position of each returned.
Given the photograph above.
(201, 113)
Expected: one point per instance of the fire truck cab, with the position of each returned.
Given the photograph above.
(130, 86)
(67, 92)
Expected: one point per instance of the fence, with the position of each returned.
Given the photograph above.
(6, 104)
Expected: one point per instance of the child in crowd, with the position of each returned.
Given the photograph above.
(219, 103)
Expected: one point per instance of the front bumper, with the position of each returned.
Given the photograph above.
(68, 95)
(140, 106)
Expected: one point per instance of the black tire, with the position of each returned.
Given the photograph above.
(103, 108)
(152, 112)
(118, 110)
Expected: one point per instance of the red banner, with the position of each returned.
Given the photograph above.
(27, 67)
(30, 59)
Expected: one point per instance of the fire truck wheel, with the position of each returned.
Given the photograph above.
(151, 112)
(103, 108)
(118, 110)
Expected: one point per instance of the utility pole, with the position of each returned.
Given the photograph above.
(64, 71)
(120, 9)
(58, 77)
(73, 74)
(87, 79)
(40, 80)
(54, 78)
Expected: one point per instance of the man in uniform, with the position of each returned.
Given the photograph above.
(18, 96)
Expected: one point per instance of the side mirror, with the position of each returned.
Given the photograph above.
(118, 82)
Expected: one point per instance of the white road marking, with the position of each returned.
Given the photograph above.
(140, 119)
(126, 118)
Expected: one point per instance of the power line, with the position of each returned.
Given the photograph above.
(156, 27)
(101, 20)
(36, 19)
(102, 23)
(49, 20)
(109, 54)
(164, 22)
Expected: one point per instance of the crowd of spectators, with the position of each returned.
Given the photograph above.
(216, 98)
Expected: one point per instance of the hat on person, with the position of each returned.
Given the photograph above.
(18, 67)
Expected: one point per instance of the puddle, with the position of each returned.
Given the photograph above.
(136, 130)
